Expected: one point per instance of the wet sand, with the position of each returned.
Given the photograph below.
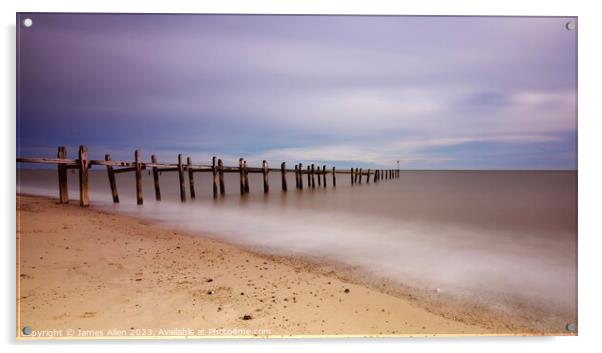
(86, 273)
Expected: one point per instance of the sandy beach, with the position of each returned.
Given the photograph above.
(83, 273)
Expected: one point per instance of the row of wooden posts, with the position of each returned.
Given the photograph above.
(217, 168)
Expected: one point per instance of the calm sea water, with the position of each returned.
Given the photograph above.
(506, 233)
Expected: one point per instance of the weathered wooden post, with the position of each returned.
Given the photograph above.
(241, 173)
(181, 177)
(360, 175)
(334, 177)
(246, 177)
(368, 178)
(191, 178)
(214, 170)
(266, 186)
(297, 176)
(313, 180)
(138, 169)
(352, 177)
(283, 172)
(308, 176)
(319, 175)
(112, 181)
(301, 176)
(83, 165)
(324, 176)
(222, 186)
(63, 186)
(156, 178)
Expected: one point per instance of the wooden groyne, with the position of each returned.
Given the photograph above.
(217, 168)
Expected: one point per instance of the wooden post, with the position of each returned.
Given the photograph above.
(297, 176)
(191, 177)
(246, 177)
(63, 186)
(368, 178)
(138, 169)
(313, 180)
(360, 175)
(283, 172)
(242, 176)
(324, 176)
(214, 170)
(301, 176)
(112, 181)
(84, 165)
(334, 177)
(266, 186)
(222, 186)
(319, 175)
(156, 178)
(352, 177)
(181, 177)
(308, 176)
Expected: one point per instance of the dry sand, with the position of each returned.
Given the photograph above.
(82, 272)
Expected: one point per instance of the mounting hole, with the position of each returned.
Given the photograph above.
(27, 330)
(28, 22)
(570, 26)
(571, 327)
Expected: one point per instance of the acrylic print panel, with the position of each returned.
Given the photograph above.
(265, 176)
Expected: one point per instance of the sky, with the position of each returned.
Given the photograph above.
(349, 91)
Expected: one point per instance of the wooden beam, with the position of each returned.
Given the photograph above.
(220, 170)
(72, 162)
(62, 168)
(313, 180)
(283, 173)
(301, 176)
(324, 176)
(138, 166)
(368, 178)
(84, 199)
(360, 175)
(190, 178)
(156, 179)
(112, 181)
(181, 179)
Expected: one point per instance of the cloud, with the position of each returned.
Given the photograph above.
(371, 88)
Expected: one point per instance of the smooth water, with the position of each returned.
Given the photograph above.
(510, 233)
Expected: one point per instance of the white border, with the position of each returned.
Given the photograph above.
(590, 232)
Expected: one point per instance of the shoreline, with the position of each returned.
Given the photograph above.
(278, 285)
